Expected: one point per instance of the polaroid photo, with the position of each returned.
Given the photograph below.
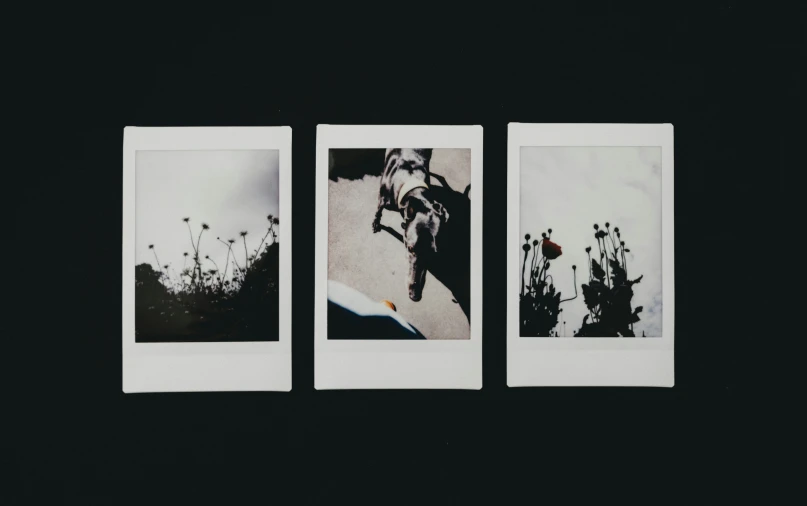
(398, 289)
(590, 283)
(206, 259)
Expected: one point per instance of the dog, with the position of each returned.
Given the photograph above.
(405, 188)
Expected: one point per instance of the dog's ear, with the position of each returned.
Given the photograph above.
(441, 211)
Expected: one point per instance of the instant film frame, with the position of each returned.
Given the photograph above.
(583, 361)
(206, 366)
(391, 364)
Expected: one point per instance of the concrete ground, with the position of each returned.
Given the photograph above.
(376, 264)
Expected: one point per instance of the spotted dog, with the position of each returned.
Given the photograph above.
(405, 188)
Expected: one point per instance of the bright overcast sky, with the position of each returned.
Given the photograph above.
(231, 191)
(569, 189)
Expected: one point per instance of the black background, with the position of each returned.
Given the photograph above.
(726, 75)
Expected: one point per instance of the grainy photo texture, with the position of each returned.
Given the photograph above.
(590, 223)
(399, 225)
(207, 249)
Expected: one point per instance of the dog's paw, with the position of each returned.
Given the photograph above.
(376, 226)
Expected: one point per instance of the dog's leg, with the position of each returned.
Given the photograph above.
(382, 203)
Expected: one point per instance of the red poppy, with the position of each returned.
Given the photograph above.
(550, 249)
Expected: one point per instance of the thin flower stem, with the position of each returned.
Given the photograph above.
(159, 265)
(269, 231)
(613, 243)
(532, 267)
(246, 253)
(574, 274)
(523, 267)
(534, 259)
(226, 264)
(607, 275)
(198, 260)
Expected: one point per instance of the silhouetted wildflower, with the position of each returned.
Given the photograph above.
(186, 220)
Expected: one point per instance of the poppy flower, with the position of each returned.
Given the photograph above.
(550, 249)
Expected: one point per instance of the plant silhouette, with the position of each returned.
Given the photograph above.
(198, 305)
(609, 292)
(539, 303)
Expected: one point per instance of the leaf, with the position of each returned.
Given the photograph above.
(591, 296)
(638, 309)
(637, 280)
(597, 270)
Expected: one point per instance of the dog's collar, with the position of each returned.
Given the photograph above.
(408, 187)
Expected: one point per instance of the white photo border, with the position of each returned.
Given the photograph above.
(393, 364)
(589, 361)
(206, 367)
